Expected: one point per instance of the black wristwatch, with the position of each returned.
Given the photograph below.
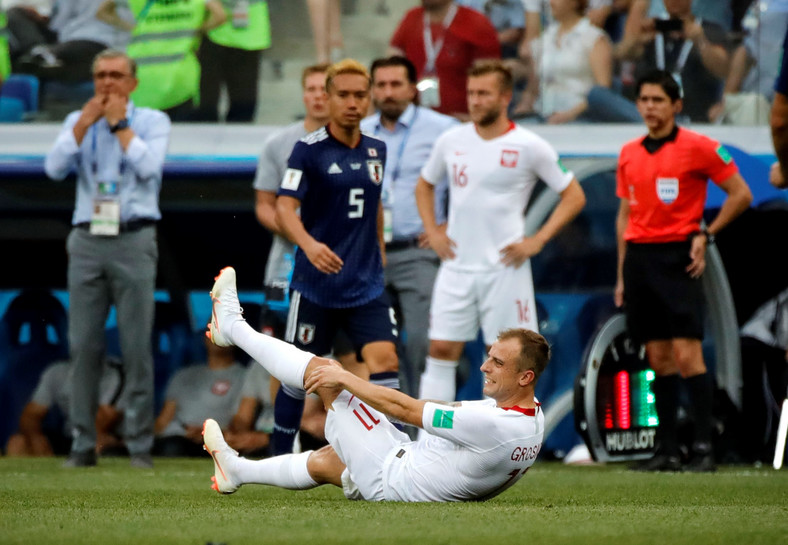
(119, 126)
(709, 237)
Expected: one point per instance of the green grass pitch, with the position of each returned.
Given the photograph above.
(554, 504)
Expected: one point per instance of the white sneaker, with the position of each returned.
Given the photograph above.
(221, 453)
(226, 308)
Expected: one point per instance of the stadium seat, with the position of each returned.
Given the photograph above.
(33, 334)
(12, 110)
(23, 87)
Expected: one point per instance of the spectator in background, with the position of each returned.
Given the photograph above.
(76, 37)
(409, 132)
(508, 18)
(719, 12)
(325, 18)
(53, 395)
(694, 51)
(195, 393)
(164, 42)
(443, 40)
(230, 57)
(570, 71)
(764, 346)
(28, 24)
(117, 150)
(778, 121)
(251, 426)
(749, 87)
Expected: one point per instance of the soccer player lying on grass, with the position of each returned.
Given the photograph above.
(472, 450)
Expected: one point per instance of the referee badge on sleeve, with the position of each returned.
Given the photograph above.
(668, 189)
(375, 168)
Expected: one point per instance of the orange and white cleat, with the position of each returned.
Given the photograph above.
(214, 443)
(226, 308)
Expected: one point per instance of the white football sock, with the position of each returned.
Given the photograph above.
(283, 360)
(285, 471)
(439, 380)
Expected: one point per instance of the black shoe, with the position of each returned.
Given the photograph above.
(660, 462)
(80, 459)
(701, 463)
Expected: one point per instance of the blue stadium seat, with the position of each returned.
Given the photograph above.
(12, 110)
(33, 334)
(24, 87)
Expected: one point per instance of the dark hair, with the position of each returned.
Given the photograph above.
(662, 78)
(581, 6)
(534, 349)
(482, 67)
(395, 60)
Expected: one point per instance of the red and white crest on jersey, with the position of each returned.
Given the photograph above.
(306, 333)
(509, 158)
(372, 152)
(375, 168)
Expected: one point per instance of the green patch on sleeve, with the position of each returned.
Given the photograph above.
(724, 155)
(562, 167)
(443, 419)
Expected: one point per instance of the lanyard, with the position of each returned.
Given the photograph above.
(659, 47)
(432, 50)
(401, 151)
(94, 152)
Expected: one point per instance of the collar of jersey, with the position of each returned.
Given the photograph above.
(652, 145)
(525, 411)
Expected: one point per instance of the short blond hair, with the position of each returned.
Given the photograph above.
(346, 66)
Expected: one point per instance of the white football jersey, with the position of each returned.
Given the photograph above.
(473, 452)
(490, 182)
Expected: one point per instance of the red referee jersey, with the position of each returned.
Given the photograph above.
(666, 189)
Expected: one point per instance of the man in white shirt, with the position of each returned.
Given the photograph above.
(485, 276)
(472, 451)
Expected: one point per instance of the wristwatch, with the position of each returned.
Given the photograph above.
(709, 237)
(119, 126)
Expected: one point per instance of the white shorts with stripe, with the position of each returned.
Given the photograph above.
(463, 302)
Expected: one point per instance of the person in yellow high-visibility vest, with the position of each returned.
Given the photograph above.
(230, 57)
(164, 41)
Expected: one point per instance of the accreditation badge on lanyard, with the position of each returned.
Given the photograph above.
(681, 61)
(429, 85)
(105, 220)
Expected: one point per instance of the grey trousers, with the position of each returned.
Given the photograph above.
(410, 275)
(103, 271)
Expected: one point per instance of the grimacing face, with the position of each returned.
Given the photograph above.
(502, 378)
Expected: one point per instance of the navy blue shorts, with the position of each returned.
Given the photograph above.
(313, 327)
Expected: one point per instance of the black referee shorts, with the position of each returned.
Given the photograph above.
(661, 300)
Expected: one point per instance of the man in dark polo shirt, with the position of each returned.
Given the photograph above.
(662, 181)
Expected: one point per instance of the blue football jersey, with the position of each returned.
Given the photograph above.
(339, 189)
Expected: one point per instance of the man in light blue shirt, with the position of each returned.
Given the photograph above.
(409, 132)
(117, 151)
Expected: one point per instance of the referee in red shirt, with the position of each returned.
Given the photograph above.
(662, 181)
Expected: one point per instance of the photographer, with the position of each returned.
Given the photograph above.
(695, 52)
